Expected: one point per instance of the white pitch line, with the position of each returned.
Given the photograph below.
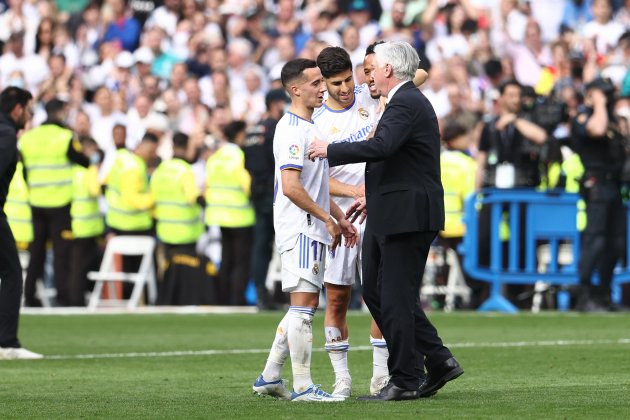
(556, 343)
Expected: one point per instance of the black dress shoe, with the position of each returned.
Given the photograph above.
(392, 393)
(439, 376)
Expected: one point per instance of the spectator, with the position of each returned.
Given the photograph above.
(121, 28)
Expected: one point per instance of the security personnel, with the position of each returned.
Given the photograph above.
(509, 157)
(259, 162)
(600, 146)
(129, 200)
(179, 225)
(18, 210)
(87, 222)
(227, 205)
(458, 180)
(48, 153)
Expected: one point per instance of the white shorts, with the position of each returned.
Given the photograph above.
(343, 266)
(303, 265)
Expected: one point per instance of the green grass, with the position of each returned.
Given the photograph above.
(587, 377)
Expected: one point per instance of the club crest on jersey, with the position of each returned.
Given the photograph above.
(294, 151)
(315, 268)
(363, 113)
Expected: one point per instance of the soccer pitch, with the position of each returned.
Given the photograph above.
(549, 365)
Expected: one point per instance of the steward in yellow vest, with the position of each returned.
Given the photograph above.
(129, 201)
(227, 205)
(48, 152)
(458, 180)
(87, 222)
(18, 210)
(179, 225)
(177, 212)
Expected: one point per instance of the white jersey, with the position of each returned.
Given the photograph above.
(348, 125)
(290, 143)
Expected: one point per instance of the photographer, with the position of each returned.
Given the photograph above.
(600, 146)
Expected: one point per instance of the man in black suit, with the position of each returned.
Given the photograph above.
(406, 204)
(15, 111)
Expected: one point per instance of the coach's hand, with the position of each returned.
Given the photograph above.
(349, 232)
(358, 208)
(317, 149)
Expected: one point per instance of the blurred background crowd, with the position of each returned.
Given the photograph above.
(190, 76)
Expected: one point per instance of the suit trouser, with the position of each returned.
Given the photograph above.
(10, 286)
(52, 223)
(236, 247)
(393, 267)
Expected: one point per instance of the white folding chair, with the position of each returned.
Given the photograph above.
(455, 284)
(125, 246)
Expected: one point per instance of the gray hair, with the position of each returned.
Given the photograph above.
(401, 56)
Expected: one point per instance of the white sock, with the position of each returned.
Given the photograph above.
(300, 338)
(379, 357)
(337, 351)
(279, 352)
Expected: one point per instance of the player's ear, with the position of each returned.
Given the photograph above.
(295, 90)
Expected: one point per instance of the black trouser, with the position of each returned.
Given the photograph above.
(53, 224)
(263, 241)
(393, 267)
(185, 280)
(236, 246)
(602, 239)
(86, 256)
(10, 286)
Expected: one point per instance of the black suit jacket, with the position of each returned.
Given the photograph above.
(402, 176)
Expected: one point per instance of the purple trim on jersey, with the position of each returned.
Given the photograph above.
(290, 166)
(298, 117)
(339, 111)
(275, 191)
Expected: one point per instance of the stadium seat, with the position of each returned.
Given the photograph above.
(125, 246)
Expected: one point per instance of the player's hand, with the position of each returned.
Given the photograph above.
(317, 149)
(335, 231)
(349, 232)
(357, 210)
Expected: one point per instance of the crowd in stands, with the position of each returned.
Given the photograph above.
(169, 68)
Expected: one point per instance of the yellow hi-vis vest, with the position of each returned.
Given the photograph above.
(573, 170)
(87, 220)
(17, 209)
(227, 202)
(121, 214)
(458, 181)
(44, 152)
(178, 220)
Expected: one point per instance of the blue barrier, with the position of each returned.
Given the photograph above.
(548, 217)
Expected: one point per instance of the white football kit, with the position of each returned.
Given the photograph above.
(301, 238)
(338, 126)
